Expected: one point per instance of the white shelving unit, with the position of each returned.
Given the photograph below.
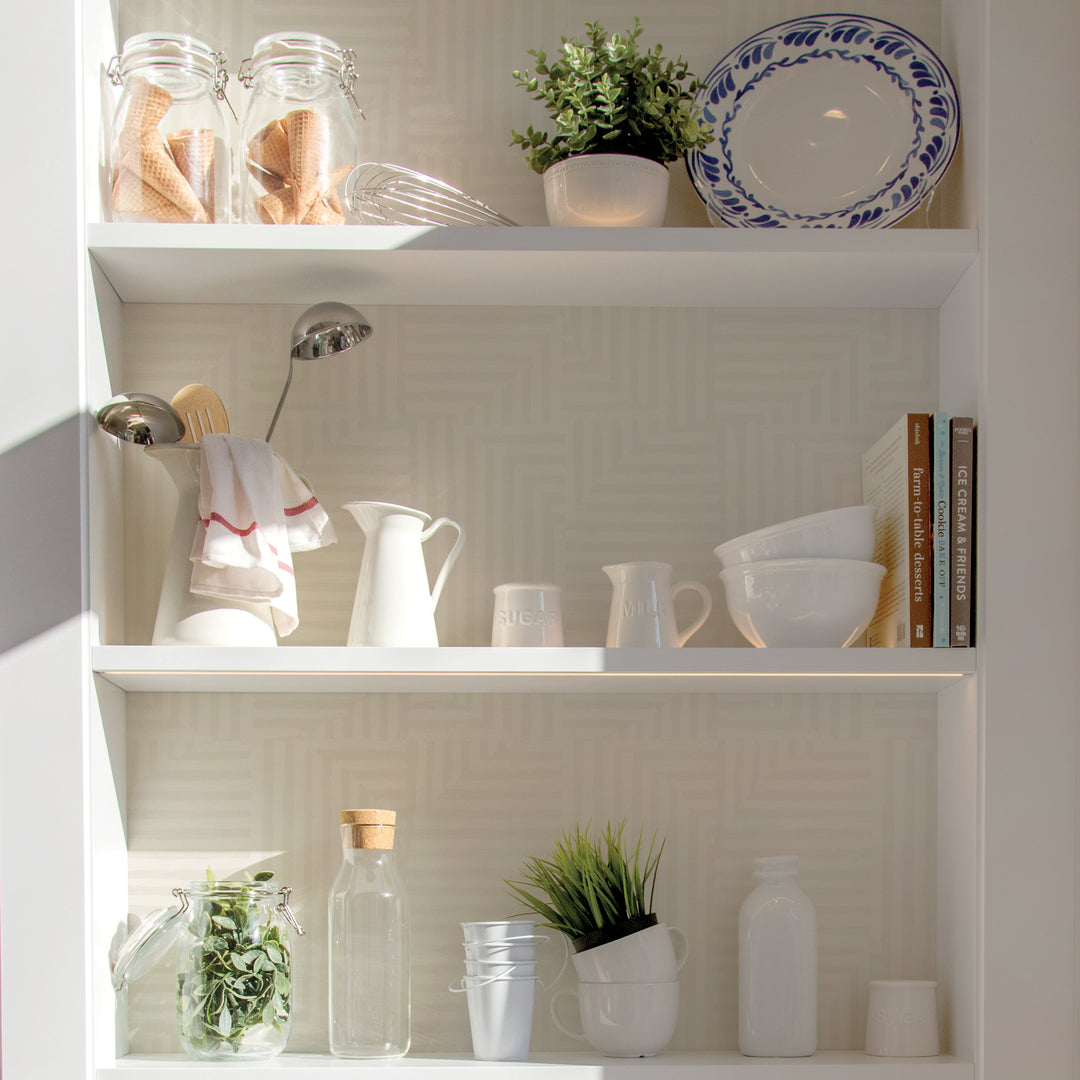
(1007, 747)
(686, 1066)
(338, 670)
(534, 266)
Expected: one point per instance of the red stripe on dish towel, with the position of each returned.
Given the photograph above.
(246, 532)
(230, 526)
(292, 511)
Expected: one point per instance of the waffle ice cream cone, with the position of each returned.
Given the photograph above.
(268, 156)
(321, 214)
(146, 107)
(309, 154)
(130, 195)
(151, 161)
(277, 207)
(332, 199)
(193, 152)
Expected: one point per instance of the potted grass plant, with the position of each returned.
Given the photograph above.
(599, 893)
(621, 114)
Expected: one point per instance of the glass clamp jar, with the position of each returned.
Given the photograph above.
(298, 135)
(234, 966)
(170, 150)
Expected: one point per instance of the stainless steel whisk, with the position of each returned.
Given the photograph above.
(393, 195)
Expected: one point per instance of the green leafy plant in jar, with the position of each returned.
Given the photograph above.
(235, 980)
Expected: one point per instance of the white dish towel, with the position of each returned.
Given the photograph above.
(254, 512)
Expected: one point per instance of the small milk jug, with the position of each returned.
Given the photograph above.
(777, 964)
(642, 613)
(394, 606)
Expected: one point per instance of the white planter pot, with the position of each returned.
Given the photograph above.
(606, 189)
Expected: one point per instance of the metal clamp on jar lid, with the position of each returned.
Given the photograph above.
(176, 55)
(158, 932)
(296, 49)
(370, 829)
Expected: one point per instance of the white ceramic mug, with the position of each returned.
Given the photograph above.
(623, 1019)
(642, 612)
(527, 615)
(656, 954)
(901, 1018)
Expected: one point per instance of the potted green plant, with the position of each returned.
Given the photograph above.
(621, 115)
(599, 893)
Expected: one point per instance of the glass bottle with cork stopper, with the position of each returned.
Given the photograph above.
(369, 942)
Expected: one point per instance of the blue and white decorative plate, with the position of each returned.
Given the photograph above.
(825, 122)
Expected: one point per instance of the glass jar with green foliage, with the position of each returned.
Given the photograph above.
(607, 96)
(234, 993)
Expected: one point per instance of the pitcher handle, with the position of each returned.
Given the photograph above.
(448, 563)
(706, 609)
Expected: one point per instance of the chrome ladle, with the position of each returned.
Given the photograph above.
(323, 330)
(141, 418)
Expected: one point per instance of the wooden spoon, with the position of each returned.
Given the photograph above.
(202, 412)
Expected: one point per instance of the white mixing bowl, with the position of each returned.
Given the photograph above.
(824, 603)
(847, 533)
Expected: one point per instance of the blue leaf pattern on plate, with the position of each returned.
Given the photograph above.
(905, 60)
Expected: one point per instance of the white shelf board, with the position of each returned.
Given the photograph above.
(340, 669)
(704, 1065)
(677, 267)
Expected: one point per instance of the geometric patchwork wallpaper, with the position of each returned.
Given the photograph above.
(434, 77)
(563, 440)
(482, 781)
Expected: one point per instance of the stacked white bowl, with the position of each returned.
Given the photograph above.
(804, 582)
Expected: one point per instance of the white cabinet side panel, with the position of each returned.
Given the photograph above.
(1027, 576)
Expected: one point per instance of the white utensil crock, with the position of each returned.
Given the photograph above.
(182, 617)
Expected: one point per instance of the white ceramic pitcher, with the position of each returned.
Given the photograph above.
(642, 613)
(394, 605)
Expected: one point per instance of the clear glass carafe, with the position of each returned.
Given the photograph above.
(298, 139)
(369, 942)
(169, 157)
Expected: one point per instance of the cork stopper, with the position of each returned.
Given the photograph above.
(371, 829)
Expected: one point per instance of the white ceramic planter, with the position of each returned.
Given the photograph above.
(606, 189)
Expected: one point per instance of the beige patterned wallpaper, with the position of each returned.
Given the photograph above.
(482, 781)
(562, 440)
(435, 75)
